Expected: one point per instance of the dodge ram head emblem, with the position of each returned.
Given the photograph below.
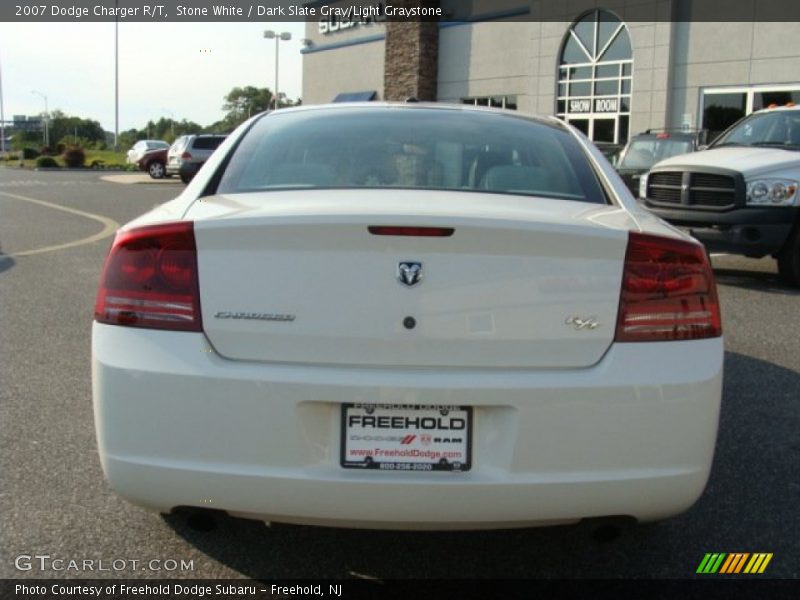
(409, 273)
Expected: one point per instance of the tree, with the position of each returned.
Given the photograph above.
(64, 126)
(243, 102)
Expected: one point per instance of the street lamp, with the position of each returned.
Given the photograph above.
(171, 121)
(46, 117)
(2, 119)
(285, 36)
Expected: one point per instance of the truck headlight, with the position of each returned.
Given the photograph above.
(643, 186)
(772, 192)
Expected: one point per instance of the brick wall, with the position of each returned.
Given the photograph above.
(411, 58)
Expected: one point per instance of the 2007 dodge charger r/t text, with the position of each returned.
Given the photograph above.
(408, 316)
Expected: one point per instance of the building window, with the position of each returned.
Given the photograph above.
(722, 107)
(507, 102)
(595, 76)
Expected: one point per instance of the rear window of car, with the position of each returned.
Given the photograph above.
(208, 143)
(179, 143)
(644, 153)
(416, 148)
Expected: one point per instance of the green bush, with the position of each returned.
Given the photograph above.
(74, 157)
(30, 153)
(46, 162)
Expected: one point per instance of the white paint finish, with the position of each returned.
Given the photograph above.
(630, 430)
(263, 440)
(749, 161)
(530, 263)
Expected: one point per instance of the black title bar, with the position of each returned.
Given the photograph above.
(348, 11)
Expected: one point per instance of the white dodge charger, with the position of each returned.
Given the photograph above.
(407, 316)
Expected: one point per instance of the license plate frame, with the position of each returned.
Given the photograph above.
(435, 444)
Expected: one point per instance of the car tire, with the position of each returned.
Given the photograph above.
(156, 169)
(789, 260)
(185, 178)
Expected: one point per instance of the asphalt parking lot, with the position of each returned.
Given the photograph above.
(55, 501)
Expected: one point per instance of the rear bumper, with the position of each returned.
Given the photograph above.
(749, 231)
(179, 426)
(172, 169)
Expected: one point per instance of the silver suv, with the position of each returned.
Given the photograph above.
(188, 153)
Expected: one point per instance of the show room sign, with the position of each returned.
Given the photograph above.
(601, 105)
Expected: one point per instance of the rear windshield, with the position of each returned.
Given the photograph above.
(644, 153)
(416, 148)
(208, 143)
(179, 143)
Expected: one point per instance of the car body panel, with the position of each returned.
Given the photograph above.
(195, 145)
(664, 144)
(632, 435)
(724, 221)
(144, 162)
(246, 416)
(748, 161)
(552, 257)
(141, 147)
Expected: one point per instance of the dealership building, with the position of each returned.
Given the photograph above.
(612, 68)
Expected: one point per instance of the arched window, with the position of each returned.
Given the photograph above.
(594, 77)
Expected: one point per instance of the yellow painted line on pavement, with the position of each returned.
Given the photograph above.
(109, 226)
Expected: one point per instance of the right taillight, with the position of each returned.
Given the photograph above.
(186, 156)
(668, 292)
(150, 279)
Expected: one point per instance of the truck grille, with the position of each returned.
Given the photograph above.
(665, 187)
(705, 190)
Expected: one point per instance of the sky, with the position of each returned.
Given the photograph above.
(180, 70)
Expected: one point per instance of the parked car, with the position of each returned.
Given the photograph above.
(193, 149)
(154, 162)
(646, 149)
(414, 316)
(610, 150)
(741, 195)
(141, 147)
(188, 170)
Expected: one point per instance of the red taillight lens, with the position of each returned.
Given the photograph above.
(186, 156)
(150, 279)
(668, 292)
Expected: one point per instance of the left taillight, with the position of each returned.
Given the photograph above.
(150, 279)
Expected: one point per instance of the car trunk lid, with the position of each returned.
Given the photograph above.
(297, 277)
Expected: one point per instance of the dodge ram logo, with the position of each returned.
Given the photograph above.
(409, 273)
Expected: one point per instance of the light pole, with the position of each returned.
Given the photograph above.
(2, 117)
(116, 78)
(46, 117)
(285, 36)
(171, 121)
